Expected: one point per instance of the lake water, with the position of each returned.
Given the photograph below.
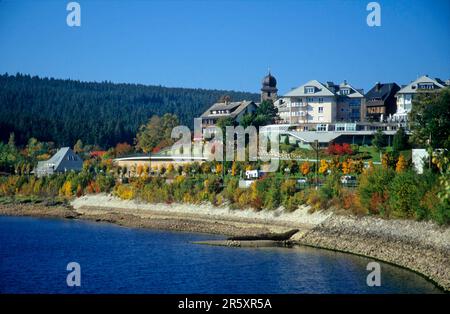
(34, 253)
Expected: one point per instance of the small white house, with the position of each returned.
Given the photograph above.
(64, 160)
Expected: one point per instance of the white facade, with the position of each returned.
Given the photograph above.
(308, 110)
(315, 102)
(405, 96)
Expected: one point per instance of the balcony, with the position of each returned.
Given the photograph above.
(297, 104)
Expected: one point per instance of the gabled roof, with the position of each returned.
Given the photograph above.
(412, 87)
(382, 92)
(234, 107)
(355, 93)
(58, 158)
(321, 90)
(328, 89)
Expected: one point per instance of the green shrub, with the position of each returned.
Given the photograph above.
(404, 196)
(373, 190)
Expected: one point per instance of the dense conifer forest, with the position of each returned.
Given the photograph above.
(105, 113)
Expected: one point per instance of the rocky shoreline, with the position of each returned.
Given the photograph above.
(419, 246)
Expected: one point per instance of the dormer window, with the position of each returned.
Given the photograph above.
(425, 86)
(309, 90)
(345, 91)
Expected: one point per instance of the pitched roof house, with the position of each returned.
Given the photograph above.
(381, 101)
(64, 160)
(234, 110)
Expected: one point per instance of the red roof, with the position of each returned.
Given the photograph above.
(97, 153)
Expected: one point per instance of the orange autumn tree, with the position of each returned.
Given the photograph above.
(140, 170)
(346, 166)
(305, 168)
(122, 149)
(401, 164)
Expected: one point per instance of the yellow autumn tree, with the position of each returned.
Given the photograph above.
(305, 168)
(66, 189)
(233, 169)
(346, 166)
(170, 168)
(323, 168)
(218, 168)
(401, 164)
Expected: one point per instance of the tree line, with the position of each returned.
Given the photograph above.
(103, 114)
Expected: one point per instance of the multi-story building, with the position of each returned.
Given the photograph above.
(349, 101)
(317, 103)
(312, 102)
(380, 102)
(406, 94)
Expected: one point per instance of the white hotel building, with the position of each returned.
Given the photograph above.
(406, 94)
(316, 103)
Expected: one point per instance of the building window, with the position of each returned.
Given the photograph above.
(320, 100)
(425, 86)
(321, 127)
(345, 91)
(309, 90)
(320, 109)
(310, 99)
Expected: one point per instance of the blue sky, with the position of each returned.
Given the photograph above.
(227, 44)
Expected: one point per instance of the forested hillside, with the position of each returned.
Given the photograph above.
(104, 113)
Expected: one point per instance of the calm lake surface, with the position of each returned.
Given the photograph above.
(34, 254)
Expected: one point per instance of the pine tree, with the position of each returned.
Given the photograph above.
(400, 140)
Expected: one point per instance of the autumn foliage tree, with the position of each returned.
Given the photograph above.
(324, 166)
(339, 149)
(122, 149)
(401, 164)
(305, 168)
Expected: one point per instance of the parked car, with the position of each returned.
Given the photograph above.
(346, 179)
(302, 180)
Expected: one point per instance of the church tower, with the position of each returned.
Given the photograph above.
(269, 88)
